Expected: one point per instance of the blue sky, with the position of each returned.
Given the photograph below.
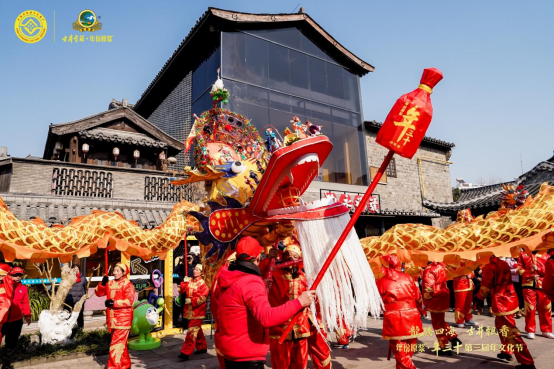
(496, 56)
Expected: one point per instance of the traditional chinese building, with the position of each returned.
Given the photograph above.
(111, 161)
(483, 200)
(277, 66)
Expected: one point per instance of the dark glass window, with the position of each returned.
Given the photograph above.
(299, 78)
(234, 54)
(318, 82)
(256, 61)
(273, 75)
(347, 155)
(351, 91)
(285, 36)
(335, 86)
(318, 111)
(278, 68)
(279, 101)
(280, 65)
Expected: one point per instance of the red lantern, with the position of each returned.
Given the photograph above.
(410, 117)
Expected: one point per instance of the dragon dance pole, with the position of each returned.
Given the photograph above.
(401, 133)
(186, 262)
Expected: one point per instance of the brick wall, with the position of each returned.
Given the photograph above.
(29, 177)
(174, 116)
(35, 177)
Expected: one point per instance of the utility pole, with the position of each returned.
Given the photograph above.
(521, 161)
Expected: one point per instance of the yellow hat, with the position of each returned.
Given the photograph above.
(123, 267)
(199, 266)
(294, 248)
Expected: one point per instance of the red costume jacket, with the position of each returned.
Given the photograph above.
(436, 295)
(20, 304)
(197, 291)
(399, 293)
(464, 283)
(497, 280)
(285, 289)
(122, 292)
(6, 297)
(243, 315)
(528, 273)
(548, 282)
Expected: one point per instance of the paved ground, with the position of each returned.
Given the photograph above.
(368, 351)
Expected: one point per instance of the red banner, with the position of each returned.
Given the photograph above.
(352, 201)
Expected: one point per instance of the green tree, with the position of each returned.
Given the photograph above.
(456, 193)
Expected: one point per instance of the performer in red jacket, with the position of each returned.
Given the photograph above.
(243, 311)
(196, 292)
(498, 281)
(120, 294)
(532, 269)
(401, 320)
(437, 299)
(19, 309)
(548, 281)
(288, 284)
(463, 292)
(6, 294)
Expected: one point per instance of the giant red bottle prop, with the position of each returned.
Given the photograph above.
(410, 117)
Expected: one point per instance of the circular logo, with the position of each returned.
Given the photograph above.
(87, 18)
(30, 26)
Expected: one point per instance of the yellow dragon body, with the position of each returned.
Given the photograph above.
(34, 240)
(468, 244)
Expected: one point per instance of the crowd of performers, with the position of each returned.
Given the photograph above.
(251, 312)
(403, 302)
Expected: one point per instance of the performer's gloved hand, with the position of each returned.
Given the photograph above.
(109, 303)
(105, 280)
(188, 301)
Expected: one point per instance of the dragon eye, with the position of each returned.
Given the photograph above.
(230, 119)
(238, 167)
(238, 123)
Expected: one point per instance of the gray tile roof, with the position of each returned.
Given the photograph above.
(488, 197)
(60, 210)
(112, 135)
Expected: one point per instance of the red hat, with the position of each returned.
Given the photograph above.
(17, 270)
(248, 248)
(4, 269)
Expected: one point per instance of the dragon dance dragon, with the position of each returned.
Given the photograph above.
(254, 188)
